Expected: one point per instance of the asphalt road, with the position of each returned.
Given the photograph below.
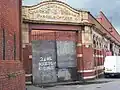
(110, 84)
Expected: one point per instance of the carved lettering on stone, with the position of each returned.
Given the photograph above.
(52, 12)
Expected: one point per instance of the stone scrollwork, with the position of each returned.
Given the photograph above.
(53, 11)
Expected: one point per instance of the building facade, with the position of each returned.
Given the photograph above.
(12, 75)
(61, 43)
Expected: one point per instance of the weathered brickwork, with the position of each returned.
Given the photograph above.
(1, 44)
(9, 48)
(53, 35)
(10, 23)
(11, 69)
(11, 75)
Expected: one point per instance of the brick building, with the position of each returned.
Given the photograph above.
(12, 76)
(61, 43)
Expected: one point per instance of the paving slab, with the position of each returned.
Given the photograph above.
(31, 87)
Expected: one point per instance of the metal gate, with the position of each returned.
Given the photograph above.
(66, 55)
(54, 56)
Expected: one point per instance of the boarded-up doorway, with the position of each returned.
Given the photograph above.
(53, 56)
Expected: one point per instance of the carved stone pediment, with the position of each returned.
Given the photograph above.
(53, 11)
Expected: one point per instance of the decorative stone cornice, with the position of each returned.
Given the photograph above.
(54, 12)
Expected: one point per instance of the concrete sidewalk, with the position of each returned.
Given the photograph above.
(97, 81)
(31, 87)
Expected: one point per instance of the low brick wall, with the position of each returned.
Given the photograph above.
(12, 75)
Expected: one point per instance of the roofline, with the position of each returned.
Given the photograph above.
(104, 27)
(59, 2)
(109, 22)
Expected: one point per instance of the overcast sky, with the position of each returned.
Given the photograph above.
(111, 8)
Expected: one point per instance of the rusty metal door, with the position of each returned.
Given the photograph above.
(53, 56)
(66, 55)
(44, 61)
(44, 58)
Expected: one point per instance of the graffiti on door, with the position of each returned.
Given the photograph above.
(46, 63)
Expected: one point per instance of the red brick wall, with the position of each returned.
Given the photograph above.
(11, 71)
(88, 61)
(88, 58)
(53, 35)
(79, 51)
(10, 22)
(11, 75)
(27, 62)
(1, 49)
